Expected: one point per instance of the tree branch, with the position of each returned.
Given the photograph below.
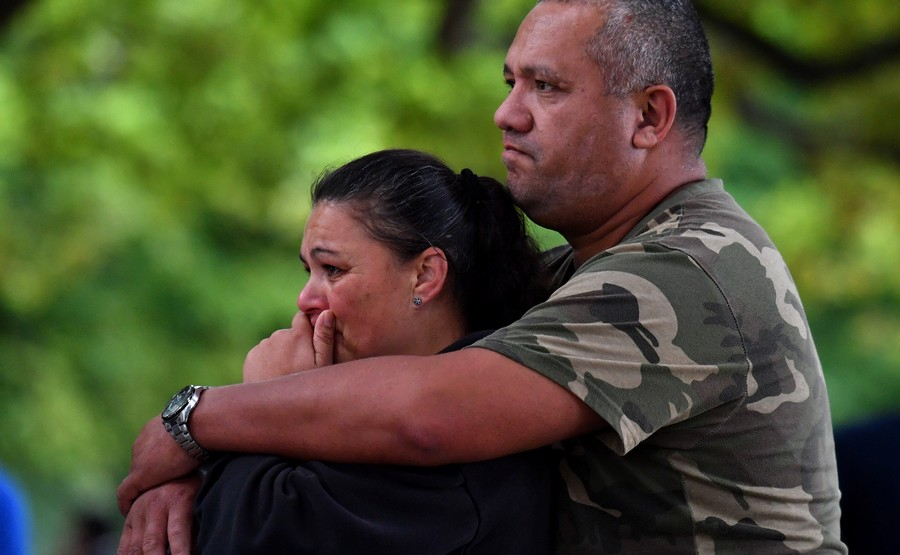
(8, 10)
(453, 34)
(810, 72)
(809, 140)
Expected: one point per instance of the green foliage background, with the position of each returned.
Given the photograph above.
(155, 157)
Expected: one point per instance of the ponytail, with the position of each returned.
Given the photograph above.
(504, 276)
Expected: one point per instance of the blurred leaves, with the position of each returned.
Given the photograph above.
(155, 157)
(802, 133)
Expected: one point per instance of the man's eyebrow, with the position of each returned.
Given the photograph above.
(544, 71)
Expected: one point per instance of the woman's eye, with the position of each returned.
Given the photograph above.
(331, 271)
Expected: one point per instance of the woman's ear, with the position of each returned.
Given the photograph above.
(432, 271)
(657, 116)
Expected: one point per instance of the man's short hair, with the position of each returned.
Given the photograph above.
(656, 42)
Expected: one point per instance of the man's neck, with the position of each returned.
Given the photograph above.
(616, 228)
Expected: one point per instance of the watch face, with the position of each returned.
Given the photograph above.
(178, 402)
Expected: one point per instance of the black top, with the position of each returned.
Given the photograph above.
(270, 505)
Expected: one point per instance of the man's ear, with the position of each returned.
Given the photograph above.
(658, 108)
(432, 271)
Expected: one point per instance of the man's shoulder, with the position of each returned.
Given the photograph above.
(686, 221)
(704, 224)
(702, 205)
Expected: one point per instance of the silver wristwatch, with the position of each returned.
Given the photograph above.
(175, 419)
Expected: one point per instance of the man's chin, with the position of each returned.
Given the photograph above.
(521, 192)
(534, 206)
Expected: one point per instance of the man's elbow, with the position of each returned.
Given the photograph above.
(429, 441)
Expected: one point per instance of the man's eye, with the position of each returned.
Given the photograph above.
(510, 83)
(543, 86)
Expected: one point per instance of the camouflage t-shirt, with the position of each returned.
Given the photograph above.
(689, 339)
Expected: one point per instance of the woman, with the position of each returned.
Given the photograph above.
(405, 257)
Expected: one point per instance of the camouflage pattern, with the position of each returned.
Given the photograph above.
(689, 339)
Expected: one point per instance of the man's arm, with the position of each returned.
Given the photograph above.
(456, 407)
(468, 405)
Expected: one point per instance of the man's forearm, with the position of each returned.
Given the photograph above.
(463, 406)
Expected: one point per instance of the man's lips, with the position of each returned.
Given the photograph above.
(513, 151)
(512, 147)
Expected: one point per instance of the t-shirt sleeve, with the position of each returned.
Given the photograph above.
(643, 337)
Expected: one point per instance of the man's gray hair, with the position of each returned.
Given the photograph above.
(656, 42)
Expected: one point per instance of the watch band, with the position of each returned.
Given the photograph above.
(177, 424)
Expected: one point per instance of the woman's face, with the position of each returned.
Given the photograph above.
(361, 281)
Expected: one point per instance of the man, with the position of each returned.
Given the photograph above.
(673, 366)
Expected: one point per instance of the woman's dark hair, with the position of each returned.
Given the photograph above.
(410, 200)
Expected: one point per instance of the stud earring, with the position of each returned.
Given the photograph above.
(417, 301)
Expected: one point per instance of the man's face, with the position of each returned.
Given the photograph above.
(566, 143)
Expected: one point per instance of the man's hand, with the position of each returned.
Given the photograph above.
(300, 347)
(161, 516)
(155, 459)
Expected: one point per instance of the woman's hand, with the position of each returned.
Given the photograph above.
(300, 347)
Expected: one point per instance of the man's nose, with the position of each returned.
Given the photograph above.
(512, 114)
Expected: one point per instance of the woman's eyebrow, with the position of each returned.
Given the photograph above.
(316, 252)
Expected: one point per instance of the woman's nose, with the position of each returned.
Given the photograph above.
(311, 300)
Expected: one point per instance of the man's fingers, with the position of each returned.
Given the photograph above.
(124, 539)
(144, 530)
(181, 517)
(153, 540)
(323, 339)
(180, 536)
(161, 518)
(126, 493)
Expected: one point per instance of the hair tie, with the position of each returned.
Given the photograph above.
(471, 188)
